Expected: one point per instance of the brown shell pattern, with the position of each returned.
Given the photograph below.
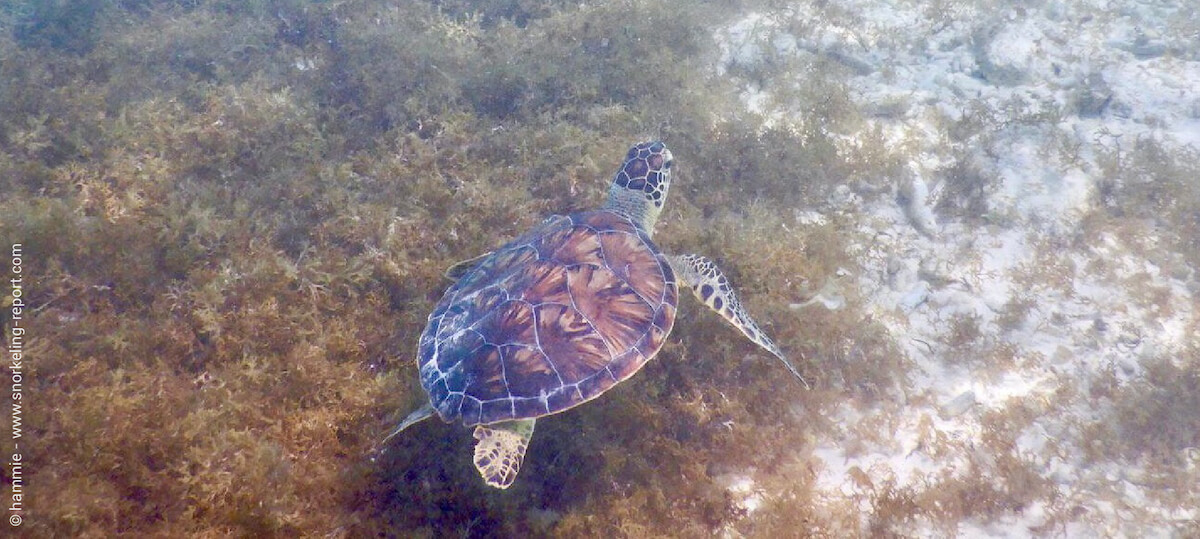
(549, 321)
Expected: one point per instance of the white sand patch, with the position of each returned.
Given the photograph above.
(1042, 94)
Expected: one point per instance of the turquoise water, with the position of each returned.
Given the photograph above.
(971, 227)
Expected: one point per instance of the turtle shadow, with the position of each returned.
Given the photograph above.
(425, 483)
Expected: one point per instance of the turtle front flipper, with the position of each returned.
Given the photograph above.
(500, 449)
(712, 288)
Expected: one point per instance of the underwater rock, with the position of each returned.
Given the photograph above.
(916, 296)
(957, 406)
(914, 200)
(1143, 46)
(829, 296)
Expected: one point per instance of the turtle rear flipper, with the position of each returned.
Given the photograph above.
(456, 271)
(420, 414)
(500, 449)
(712, 288)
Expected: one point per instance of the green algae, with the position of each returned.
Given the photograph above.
(238, 214)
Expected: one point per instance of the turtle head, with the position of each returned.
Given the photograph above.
(640, 186)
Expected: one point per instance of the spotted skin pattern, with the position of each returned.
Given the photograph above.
(642, 171)
(639, 188)
(548, 321)
(712, 288)
(499, 450)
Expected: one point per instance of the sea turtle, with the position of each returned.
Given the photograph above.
(561, 314)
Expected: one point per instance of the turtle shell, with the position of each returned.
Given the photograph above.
(549, 321)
